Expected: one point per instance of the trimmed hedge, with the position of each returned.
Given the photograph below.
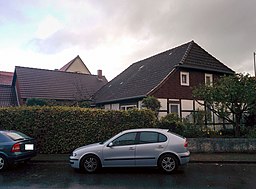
(62, 129)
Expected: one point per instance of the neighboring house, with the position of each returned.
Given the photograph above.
(169, 76)
(6, 78)
(76, 65)
(55, 85)
(7, 96)
(73, 82)
(7, 91)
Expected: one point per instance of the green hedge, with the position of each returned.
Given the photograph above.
(62, 129)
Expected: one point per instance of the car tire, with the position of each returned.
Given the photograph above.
(168, 163)
(3, 163)
(90, 164)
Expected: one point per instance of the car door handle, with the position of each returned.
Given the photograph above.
(160, 146)
(131, 148)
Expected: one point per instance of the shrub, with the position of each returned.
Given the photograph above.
(62, 129)
(171, 122)
(252, 133)
(191, 130)
(151, 103)
(36, 102)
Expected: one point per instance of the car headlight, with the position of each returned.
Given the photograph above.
(74, 154)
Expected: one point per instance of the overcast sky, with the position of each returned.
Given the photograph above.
(112, 34)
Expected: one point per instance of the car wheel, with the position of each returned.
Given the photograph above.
(3, 163)
(90, 164)
(168, 163)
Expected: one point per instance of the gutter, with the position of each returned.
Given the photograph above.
(206, 69)
(121, 99)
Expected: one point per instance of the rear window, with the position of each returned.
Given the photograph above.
(4, 138)
(151, 137)
(15, 135)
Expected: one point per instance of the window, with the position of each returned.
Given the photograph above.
(162, 138)
(127, 107)
(126, 139)
(148, 137)
(151, 137)
(174, 108)
(208, 79)
(184, 78)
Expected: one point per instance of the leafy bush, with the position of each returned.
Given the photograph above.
(191, 130)
(62, 129)
(36, 102)
(151, 103)
(172, 122)
(252, 133)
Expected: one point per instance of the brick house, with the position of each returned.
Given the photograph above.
(169, 76)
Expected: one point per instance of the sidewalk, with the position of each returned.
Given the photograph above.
(194, 158)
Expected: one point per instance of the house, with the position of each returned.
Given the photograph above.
(169, 76)
(7, 92)
(6, 78)
(76, 65)
(55, 85)
(73, 82)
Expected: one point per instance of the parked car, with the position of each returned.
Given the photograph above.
(134, 148)
(15, 147)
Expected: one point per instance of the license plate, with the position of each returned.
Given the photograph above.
(29, 146)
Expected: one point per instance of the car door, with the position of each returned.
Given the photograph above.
(121, 151)
(150, 146)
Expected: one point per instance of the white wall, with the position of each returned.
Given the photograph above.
(163, 103)
(115, 107)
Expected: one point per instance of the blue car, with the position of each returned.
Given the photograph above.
(15, 147)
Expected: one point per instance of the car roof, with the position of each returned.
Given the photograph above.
(146, 129)
(163, 131)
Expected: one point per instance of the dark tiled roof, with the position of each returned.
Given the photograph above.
(197, 58)
(143, 76)
(6, 78)
(7, 96)
(66, 66)
(58, 85)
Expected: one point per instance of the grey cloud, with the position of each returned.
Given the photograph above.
(225, 29)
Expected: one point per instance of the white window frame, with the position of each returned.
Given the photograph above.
(211, 78)
(175, 104)
(187, 78)
(126, 107)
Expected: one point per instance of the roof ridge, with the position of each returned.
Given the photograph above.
(55, 71)
(187, 52)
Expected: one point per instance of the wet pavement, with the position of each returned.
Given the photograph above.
(194, 175)
(194, 158)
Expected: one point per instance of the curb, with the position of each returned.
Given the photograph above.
(191, 161)
(223, 162)
(48, 161)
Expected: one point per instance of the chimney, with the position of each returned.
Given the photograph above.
(100, 75)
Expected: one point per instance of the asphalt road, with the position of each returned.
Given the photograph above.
(52, 175)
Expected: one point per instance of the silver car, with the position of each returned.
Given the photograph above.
(134, 148)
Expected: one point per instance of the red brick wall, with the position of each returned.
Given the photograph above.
(174, 90)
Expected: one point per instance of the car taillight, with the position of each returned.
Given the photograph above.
(186, 143)
(16, 147)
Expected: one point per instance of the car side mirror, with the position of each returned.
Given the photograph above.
(110, 144)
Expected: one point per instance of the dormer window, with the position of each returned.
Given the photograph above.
(208, 79)
(184, 78)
